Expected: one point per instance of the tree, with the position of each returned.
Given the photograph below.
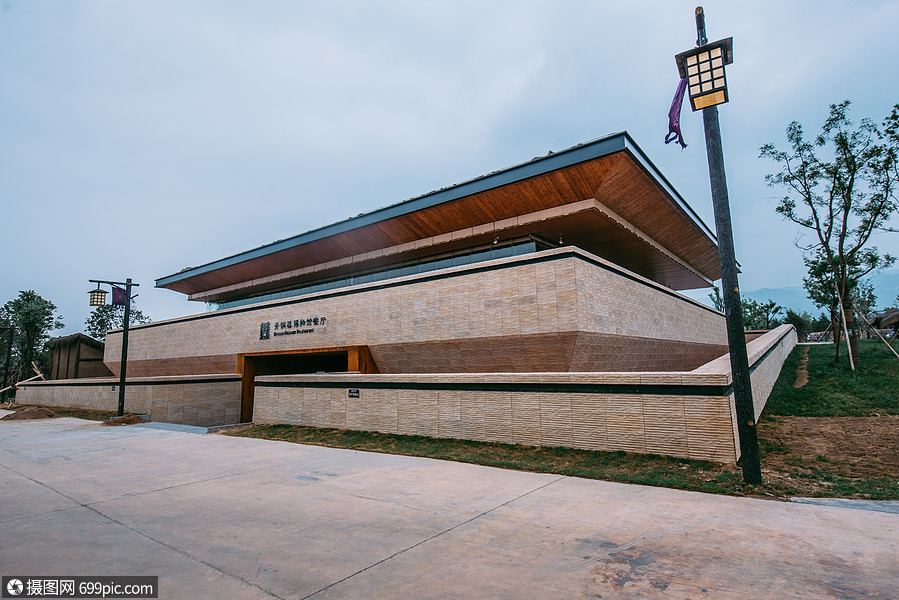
(821, 289)
(111, 316)
(752, 314)
(806, 323)
(717, 300)
(821, 323)
(32, 317)
(769, 310)
(841, 187)
(863, 301)
(801, 321)
(863, 297)
(758, 315)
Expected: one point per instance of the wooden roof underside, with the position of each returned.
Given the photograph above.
(587, 224)
(618, 181)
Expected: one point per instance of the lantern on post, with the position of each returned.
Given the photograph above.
(121, 296)
(703, 68)
(97, 296)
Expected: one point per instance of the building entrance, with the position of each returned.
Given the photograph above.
(350, 359)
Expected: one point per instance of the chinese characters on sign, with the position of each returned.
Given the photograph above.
(267, 329)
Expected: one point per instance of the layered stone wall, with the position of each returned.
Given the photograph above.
(511, 411)
(557, 310)
(206, 401)
(767, 352)
(688, 415)
(682, 414)
(98, 394)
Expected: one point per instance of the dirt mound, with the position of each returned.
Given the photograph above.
(32, 412)
(127, 419)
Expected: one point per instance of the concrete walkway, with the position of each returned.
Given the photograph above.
(215, 516)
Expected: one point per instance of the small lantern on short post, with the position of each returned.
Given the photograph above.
(120, 296)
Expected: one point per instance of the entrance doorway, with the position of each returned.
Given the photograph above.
(348, 359)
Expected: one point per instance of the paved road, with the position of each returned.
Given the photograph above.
(216, 516)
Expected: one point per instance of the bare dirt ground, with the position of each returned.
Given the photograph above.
(802, 370)
(128, 419)
(853, 446)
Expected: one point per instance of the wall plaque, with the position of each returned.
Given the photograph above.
(267, 329)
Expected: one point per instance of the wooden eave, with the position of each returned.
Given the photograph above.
(611, 170)
(587, 224)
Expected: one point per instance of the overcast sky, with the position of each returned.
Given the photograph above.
(142, 137)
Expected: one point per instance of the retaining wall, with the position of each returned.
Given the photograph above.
(683, 414)
(203, 400)
(688, 415)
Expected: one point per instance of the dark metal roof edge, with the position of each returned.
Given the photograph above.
(604, 146)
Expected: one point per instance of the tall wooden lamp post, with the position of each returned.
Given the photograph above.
(703, 68)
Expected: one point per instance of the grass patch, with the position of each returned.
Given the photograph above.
(801, 476)
(767, 446)
(613, 466)
(834, 390)
(826, 484)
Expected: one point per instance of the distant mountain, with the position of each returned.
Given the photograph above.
(886, 286)
(789, 297)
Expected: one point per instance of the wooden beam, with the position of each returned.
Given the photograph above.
(247, 390)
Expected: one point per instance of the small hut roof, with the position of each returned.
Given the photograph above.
(77, 337)
(888, 318)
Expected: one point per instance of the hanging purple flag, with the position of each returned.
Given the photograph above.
(118, 296)
(674, 115)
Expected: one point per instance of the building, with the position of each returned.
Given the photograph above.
(538, 304)
(77, 356)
